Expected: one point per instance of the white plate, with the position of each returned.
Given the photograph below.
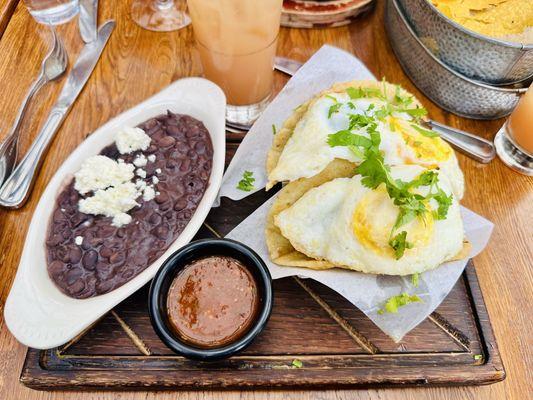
(36, 312)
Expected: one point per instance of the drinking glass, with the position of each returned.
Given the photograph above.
(237, 41)
(514, 142)
(52, 12)
(160, 15)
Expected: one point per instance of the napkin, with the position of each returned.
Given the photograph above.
(367, 292)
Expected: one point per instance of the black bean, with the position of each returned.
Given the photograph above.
(89, 259)
(180, 204)
(75, 255)
(161, 197)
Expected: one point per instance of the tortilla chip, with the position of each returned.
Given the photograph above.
(281, 138)
(495, 18)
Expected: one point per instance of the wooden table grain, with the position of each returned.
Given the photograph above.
(138, 63)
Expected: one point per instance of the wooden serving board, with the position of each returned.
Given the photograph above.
(337, 345)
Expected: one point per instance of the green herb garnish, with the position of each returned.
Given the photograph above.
(402, 101)
(384, 111)
(274, 130)
(334, 109)
(354, 93)
(395, 302)
(425, 132)
(414, 279)
(360, 92)
(347, 138)
(478, 357)
(360, 121)
(399, 243)
(444, 201)
(297, 363)
(416, 113)
(375, 172)
(247, 182)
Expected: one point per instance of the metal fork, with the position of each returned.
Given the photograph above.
(53, 66)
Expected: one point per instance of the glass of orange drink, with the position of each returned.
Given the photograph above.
(237, 41)
(514, 142)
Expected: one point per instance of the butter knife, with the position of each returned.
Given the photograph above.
(15, 191)
(88, 20)
(475, 147)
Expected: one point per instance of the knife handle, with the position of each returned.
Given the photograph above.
(16, 188)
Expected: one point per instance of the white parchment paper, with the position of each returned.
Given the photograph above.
(367, 292)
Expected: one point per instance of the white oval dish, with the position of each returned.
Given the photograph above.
(37, 313)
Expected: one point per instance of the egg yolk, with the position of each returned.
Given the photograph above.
(374, 217)
(425, 148)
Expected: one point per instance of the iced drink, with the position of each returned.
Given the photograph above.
(237, 44)
(514, 142)
(520, 124)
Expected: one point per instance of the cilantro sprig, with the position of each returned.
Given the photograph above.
(247, 182)
(335, 107)
(411, 205)
(399, 243)
(375, 172)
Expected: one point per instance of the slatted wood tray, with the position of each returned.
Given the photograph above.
(337, 344)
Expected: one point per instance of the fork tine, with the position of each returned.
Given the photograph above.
(54, 36)
(54, 51)
(59, 50)
(64, 54)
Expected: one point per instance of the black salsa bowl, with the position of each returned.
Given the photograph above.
(157, 298)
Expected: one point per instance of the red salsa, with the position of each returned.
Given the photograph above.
(212, 302)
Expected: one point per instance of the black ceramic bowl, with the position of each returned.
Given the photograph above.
(157, 299)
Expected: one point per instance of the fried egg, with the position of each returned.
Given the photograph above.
(349, 225)
(307, 151)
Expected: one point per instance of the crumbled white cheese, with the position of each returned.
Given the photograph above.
(140, 184)
(111, 181)
(149, 193)
(121, 219)
(140, 161)
(100, 172)
(155, 180)
(158, 171)
(112, 202)
(147, 190)
(132, 139)
(78, 240)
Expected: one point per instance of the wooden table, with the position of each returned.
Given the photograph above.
(138, 63)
